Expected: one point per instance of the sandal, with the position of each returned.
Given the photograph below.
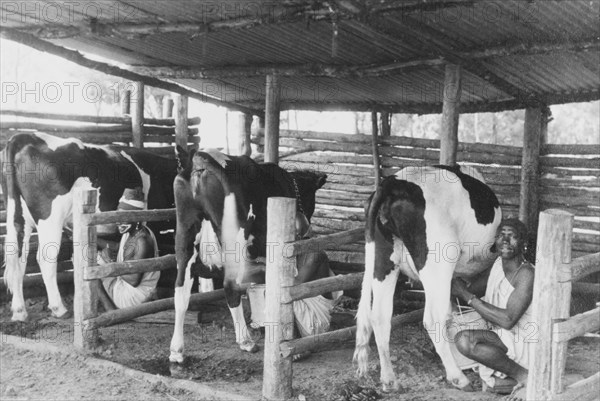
(501, 386)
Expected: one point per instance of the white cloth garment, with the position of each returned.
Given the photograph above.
(121, 292)
(313, 315)
(520, 338)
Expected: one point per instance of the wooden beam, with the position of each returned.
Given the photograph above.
(244, 141)
(130, 267)
(325, 242)
(325, 341)
(118, 216)
(279, 317)
(583, 390)
(324, 285)
(450, 115)
(530, 167)
(78, 58)
(375, 149)
(137, 115)
(361, 71)
(167, 107)
(386, 122)
(579, 267)
(85, 300)
(551, 300)
(575, 326)
(433, 108)
(272, 110)
(181, 121)
(122, 315)
(303, 70)
(383, 6)
(126, 102)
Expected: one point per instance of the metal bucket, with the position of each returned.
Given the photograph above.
(465, 319)
(256, 296)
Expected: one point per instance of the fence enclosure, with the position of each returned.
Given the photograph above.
(554, 276)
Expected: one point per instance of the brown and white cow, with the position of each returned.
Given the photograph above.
(231, 193)
(40, 173)
(430, 223)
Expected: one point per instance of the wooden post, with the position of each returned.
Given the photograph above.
(137, 116)
(277, 373)
(260, 133)
(386, 127)
(529, 201)
(450, 115)
(181, 121)
(126, 102)
(375, 149)
(546, 118)
(85, 302)
(244, 126)
(167, 107)
(551, 299)
(272, 107)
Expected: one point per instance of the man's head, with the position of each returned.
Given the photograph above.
(511, 238)
(132, 199)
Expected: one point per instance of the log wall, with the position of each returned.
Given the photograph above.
(570, 179)
(159, 133)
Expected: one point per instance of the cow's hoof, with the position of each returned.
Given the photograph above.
(19, 316)
(179, 371)
(61, 312)
(176, 357)
(391, 386)
(249, 346)
(462, 384)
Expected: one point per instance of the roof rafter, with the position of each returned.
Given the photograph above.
(358, 71)
(428, 108)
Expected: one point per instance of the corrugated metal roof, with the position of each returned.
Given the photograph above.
(359, 58)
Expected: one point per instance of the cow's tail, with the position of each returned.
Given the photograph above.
(364, 326)
(233, 251)
(15, 221)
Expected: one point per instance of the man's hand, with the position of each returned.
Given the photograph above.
(459, 289)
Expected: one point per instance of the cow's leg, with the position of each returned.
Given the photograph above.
(242, 333)
(50, 235)
(182, 301)
(381, 318)
(436, 280)
(15, 265)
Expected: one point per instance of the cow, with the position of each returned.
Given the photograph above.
(430, 223)
(231, 193)
(40, 173)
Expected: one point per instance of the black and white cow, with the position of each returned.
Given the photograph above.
(430, 223)
(40, 173)
(231, 193)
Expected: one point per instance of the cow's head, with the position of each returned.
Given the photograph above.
(308, 183)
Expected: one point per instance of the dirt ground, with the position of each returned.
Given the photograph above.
(214, 360)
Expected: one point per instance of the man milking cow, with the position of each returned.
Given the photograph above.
(503, 350)
(137, 242)
(312, 316)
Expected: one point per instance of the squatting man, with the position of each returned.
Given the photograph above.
(503, 347)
